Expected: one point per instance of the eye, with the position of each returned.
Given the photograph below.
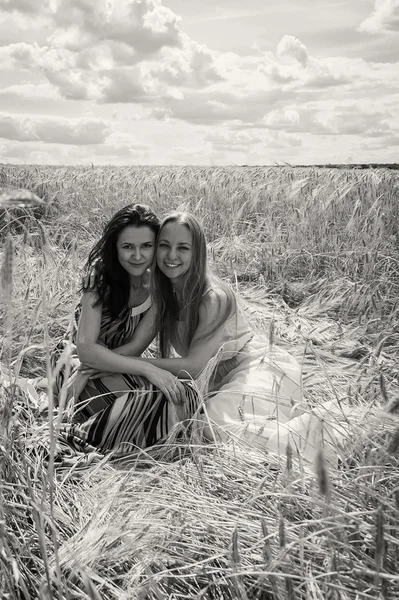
(148, 245)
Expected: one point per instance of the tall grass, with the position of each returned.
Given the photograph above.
(313, 251)
(284, 225)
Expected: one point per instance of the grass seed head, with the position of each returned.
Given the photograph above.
(379, 538)
(235, 556)
(289, 586)
(266, 551)
(394, 443)
(281, 532)
(322, 473)
(7, 265)
(288, 452)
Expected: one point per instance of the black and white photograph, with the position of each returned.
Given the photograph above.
(199, 300)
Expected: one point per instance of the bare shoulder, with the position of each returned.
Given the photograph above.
(89, 300)
(214, 301)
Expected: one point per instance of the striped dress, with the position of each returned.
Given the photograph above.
(119, 413)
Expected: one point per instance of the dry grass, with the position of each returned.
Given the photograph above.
(313, 251)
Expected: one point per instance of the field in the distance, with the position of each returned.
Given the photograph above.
(315, 253)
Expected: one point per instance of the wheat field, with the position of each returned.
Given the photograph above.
(314, 253)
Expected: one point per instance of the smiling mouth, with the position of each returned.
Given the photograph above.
(170, 266)
(136, 265)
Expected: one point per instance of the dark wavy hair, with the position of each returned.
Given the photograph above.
(197, 282)
(108, 279)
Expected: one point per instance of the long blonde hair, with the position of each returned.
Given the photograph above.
(197, 281)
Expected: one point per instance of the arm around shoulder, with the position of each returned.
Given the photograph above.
(144, 334)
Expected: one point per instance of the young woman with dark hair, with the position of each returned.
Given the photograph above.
(113, 319)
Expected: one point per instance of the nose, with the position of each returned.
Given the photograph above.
(172, 253)
(136, 253)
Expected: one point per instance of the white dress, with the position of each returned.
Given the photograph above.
(256, 395)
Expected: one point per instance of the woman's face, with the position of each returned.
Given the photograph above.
(136, 247)
(174, 250)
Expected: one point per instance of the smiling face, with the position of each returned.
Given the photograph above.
(174, 250)
(136, 247)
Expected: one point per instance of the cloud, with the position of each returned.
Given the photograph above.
(235, 140)
(23, 6)
(19, 55)
(293, 66)
(31, 90)
(308, 118)
(17, 26)
(105, 73)
(343, 118)
(217, 106)
(287, 118)
(114, 51)
(135, 51)
(359, 121)
(247, 88)
(25, 128)
(144, 25)
(116, 152)
(123, 85)
(253, 147)
(384, 18)
(291, 47)
(124, 151)
(193, 65)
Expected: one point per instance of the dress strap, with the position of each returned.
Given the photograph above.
(138, 310)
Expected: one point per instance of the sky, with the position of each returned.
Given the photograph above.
(145, 82)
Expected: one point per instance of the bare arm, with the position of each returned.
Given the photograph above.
(99, 357)
(200, 350)
(90, 351)
(144, 334)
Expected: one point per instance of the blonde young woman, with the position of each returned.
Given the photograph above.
(252, 386)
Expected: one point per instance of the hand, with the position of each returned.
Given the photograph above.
(98, 374)
(76, 385)
(169, 385)
(86, 370)
(92, 373)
